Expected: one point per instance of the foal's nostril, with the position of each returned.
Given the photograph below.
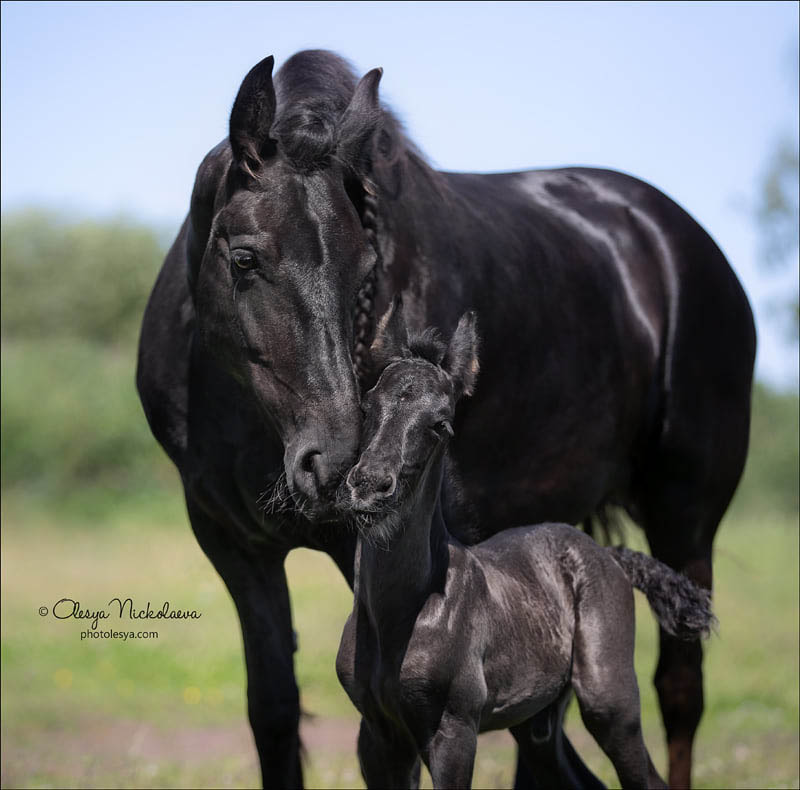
(354, 478)
(368, 485)
(386, 485)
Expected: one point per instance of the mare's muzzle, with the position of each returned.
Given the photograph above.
(316, 462)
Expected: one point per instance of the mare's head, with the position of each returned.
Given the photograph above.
(284, 205)
(408, 413)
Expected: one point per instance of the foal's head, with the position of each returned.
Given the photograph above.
(408, 413)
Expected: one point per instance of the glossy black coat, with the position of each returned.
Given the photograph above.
(445, 640)
(619, 353)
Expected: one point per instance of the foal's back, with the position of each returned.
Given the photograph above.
(540, 581)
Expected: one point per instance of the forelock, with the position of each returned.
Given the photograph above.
(313, 89)
(306, 137)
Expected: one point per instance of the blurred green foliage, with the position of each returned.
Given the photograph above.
(777, 206)
(73, 432)
(86, 280)
(770, 483)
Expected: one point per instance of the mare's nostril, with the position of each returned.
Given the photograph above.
(307, 462)
(314, 470)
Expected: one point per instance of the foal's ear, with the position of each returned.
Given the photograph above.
(391, 337)
(359, 122)
(252, 116)
(461, 358)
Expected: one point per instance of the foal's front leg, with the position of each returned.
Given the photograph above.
(450, 755)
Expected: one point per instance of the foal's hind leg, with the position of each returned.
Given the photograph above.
(546, 753)
(604, 679)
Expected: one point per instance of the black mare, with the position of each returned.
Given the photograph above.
(619, 355)
(446, 641)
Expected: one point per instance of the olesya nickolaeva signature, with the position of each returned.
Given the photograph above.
(68, 608)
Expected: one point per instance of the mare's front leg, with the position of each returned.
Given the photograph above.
(256, 580)
(450, 755)
(387, 756)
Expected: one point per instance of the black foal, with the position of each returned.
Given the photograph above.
(447, 640)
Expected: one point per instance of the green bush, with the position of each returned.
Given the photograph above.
(72, 426)
(87, 279)
(73, 294)
(770, 482)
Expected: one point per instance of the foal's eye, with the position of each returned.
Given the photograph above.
(243, 259)
(442, 428)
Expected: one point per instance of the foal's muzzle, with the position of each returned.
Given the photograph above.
(369, 486)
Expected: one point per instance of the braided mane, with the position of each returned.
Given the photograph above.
(364, 313)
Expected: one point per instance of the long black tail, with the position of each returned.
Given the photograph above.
(681, 607)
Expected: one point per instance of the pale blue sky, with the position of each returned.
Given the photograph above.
(109, 107)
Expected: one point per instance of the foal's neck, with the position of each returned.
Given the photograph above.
(393, 582)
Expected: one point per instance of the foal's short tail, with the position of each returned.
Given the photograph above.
(681, 607)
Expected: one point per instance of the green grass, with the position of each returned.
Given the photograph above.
(171, 712)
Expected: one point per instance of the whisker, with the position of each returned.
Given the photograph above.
(278, 498)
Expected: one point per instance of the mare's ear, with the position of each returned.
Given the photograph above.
(358, 124)
(461, 358)
(252, 116)
(391, 337)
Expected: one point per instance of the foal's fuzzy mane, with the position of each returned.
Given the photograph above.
(427, 345)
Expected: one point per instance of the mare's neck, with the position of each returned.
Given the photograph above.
(393, 582)
(419, 223)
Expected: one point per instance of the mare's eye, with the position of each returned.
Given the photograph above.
(243, 259)
(442, 428)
